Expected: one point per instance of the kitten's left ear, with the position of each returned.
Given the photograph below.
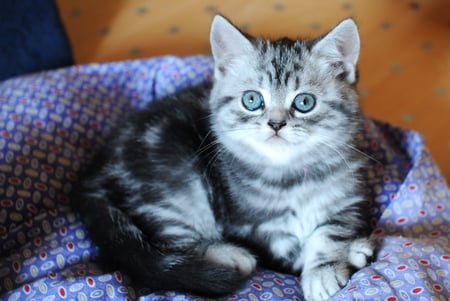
(341, 45)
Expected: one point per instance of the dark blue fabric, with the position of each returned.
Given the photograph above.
(32, 37)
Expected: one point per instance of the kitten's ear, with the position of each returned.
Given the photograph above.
(341, 45)
(227, 43)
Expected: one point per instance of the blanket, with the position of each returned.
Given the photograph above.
(51, 123)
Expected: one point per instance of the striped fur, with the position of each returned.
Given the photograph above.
(192, 192)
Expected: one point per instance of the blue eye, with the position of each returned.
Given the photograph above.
(252, 100)
(304, 102)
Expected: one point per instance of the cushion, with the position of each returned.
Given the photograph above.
(54, 121)
(32, 38)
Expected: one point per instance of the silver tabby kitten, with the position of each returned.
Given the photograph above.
(261, 167)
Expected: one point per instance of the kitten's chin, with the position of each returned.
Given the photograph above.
(276, 151)
(272, 150)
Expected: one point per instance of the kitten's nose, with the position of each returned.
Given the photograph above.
(276, 125)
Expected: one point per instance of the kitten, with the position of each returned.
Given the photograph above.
(261, 165)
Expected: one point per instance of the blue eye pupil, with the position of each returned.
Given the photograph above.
(304, 102)
(252, 100)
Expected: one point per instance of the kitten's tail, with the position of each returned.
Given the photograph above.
(217, 269)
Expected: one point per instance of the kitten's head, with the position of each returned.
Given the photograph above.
(287, 101)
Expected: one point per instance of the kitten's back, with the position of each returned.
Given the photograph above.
(146, 202)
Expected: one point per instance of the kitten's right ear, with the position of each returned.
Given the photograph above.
(227, 43)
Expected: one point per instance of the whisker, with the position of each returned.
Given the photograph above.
(336, 151)
(200, 147)
(236, 129)
(363, 153)
(208, 147)
(352, 147)
(214, 158)
(207, 116)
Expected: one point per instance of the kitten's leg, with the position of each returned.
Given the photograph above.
(273, 240)
(187, 245)
(329, 260)
(278, 250)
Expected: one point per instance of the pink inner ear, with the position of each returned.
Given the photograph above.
(347, 41)
(227, 42)
(350, 52)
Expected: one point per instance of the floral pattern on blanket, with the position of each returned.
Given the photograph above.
(52, 122)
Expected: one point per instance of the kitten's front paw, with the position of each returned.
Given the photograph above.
(321, 283)
(360, 252)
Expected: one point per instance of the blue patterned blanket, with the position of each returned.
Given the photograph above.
(52, 122)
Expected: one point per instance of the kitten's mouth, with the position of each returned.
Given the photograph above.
(276, 139)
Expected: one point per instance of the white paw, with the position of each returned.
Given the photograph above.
(321, 283)
(360, 251)
(232, 257)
